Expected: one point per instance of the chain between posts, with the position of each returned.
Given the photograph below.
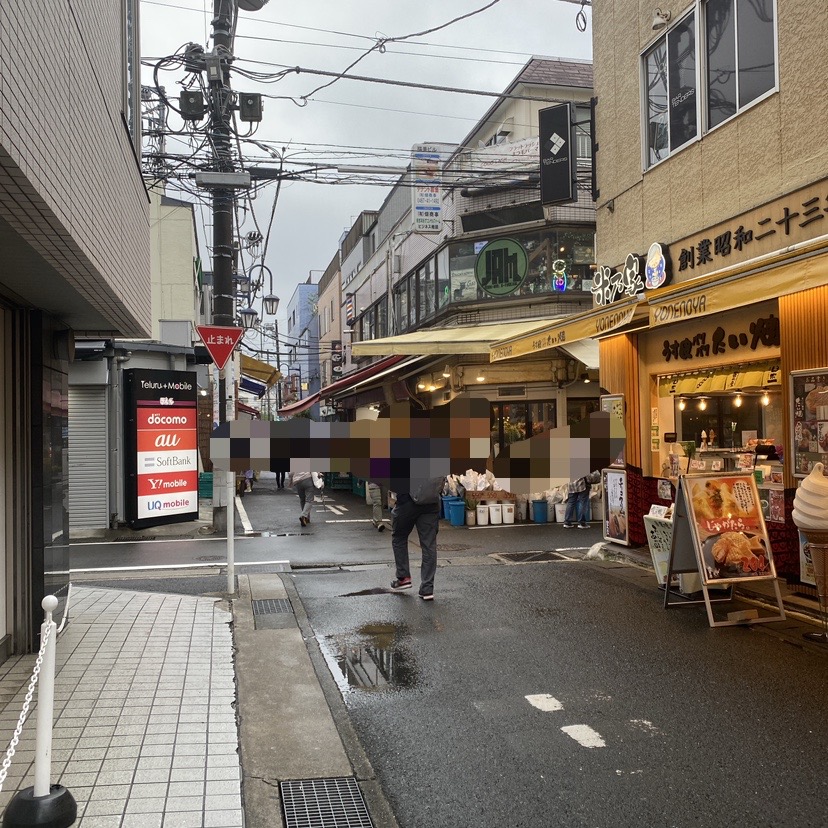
(4, 770)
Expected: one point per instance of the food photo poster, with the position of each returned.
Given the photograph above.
(809, 426)
(726, 516)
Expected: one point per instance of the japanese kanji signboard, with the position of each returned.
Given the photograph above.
(219, 341)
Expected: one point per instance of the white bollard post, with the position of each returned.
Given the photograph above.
(231, 533)
(45, 703)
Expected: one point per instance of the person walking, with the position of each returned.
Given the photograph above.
(280, 480)
(577, 501)
(420, 507)
(302, 483)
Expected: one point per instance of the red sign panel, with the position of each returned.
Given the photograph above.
(219, 341)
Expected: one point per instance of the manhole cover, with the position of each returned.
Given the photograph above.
(529, 557)
(324, 803)
(210, 558)
(270, 606)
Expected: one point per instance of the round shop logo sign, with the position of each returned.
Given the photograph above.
(656, 267)
(501, 267)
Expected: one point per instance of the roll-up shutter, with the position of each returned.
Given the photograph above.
(88, 455)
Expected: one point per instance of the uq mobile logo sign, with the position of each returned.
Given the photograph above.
(161, 440)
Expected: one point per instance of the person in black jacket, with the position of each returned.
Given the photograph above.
(420, 507)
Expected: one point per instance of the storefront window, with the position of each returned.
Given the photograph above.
(541, 417)
(511, 422)
(412, 300)
(426, 291)
(577, 408)
(402, 314)
(381, 323)
(730, 422)
(443, 285)
(558, 261)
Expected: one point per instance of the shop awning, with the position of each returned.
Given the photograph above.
(584, 350)
(299, 407)
(371, 373)
(359, 383)
(769, 278)
(468, 339)
(259, 371)
(563, 332)
(252, 387)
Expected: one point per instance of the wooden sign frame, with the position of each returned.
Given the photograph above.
(719, 533)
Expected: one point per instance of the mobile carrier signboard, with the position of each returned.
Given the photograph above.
(161, 447)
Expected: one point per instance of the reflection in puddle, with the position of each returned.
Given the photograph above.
(373, 658)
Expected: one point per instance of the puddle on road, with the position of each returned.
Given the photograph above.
(374, 658)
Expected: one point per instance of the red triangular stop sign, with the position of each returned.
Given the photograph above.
(219, 341)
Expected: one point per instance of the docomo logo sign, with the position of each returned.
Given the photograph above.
(154, 418)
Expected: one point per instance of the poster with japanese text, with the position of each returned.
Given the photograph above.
(809, 420)
(614, 404)
(725, 516)
(616, 527)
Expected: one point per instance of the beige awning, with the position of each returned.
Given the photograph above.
(566, 330)
(470, 339)
(772, 277)
(259, 371)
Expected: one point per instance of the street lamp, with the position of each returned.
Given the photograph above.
(249, 318)
(270, 304)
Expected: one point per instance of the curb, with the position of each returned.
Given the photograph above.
(379, 808)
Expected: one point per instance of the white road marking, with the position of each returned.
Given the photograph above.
(646, 726)
(245, 520)
(205, 565)
(585, 736)
(545, 702)
(351, 520)
(332, 508)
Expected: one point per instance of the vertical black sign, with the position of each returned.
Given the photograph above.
(336, 359)
(161, 447)
(557, 154)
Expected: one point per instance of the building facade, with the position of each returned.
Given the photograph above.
(710, 147)
(496, 262)
(75, 239)
(301, 346)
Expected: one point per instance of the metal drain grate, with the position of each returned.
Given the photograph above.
(269, 606)
(324, 803)
(529, 557)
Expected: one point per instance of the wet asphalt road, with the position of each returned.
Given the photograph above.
(699, 727)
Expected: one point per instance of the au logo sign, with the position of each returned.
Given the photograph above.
(501, 267)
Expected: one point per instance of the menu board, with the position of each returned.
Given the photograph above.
(809, 422)
(725, 516)
(616, 528)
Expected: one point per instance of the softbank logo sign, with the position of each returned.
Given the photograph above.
(167, 440)
(556, 143)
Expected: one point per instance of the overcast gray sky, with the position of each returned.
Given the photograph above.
(310, 218)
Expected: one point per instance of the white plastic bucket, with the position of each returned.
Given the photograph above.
(482, 515)
(471, 516)
(560, 512)
(508, 512)
(495, 513)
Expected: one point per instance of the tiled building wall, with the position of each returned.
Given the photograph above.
(70, 182)
(775, 147)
